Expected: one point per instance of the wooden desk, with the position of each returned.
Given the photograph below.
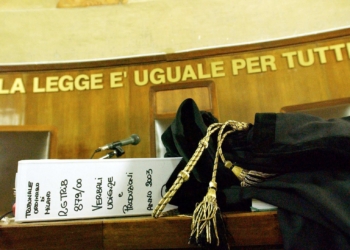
(247, 229)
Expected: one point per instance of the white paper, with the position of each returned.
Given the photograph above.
(78, 189)
(258, 205)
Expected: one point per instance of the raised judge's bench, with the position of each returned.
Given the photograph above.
(258, 230)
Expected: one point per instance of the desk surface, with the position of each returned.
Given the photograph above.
(247, 229)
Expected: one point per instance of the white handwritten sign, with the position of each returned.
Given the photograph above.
(76, 189)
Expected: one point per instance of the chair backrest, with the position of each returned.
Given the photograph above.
(22, 143)
(335, 108)
(165, 101)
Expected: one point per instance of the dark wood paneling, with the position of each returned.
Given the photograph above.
(87, 119)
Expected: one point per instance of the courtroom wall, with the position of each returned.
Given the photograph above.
(95, 103)
(37, 32)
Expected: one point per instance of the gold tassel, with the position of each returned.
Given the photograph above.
(184, 174)
(208, 227)
(204, 217)
(207, 221)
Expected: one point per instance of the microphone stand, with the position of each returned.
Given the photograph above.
(118, 151)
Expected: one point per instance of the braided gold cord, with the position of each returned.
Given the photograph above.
(204, 215)
(185, 173)
(236, 126)
(246, 177)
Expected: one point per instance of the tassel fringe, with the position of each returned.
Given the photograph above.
(208, 228)
(204, 218)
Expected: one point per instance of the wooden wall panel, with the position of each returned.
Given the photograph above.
(249, 79)
(138, 115)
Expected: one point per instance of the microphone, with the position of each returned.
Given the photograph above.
(133, 139)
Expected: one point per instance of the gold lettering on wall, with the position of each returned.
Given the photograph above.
(116, 79)
(17, 86)
(177, 73)
(308, 58)
(254, 64)
(107, 100)
(173, 73)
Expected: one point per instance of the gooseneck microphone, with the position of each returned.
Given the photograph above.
(133, 139)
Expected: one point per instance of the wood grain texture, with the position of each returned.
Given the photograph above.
(89, 118)
(247, 229)
(54, 235)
